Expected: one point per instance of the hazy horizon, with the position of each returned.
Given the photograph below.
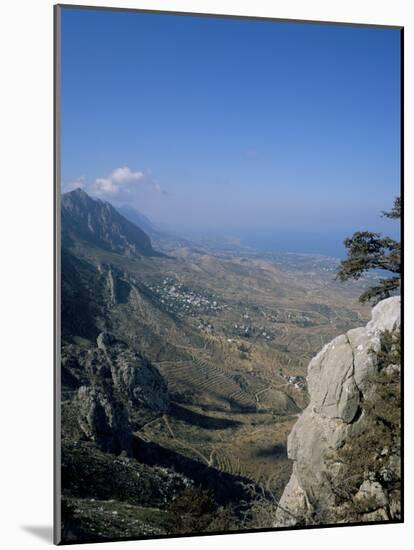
(280, 134)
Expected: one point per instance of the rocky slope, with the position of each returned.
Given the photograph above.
(116, 390)
(345, 446)
(109, 391)
(168, 427)
(98, 223)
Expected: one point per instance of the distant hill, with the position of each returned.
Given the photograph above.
(165, 240)
(98, 223)
(139, 219)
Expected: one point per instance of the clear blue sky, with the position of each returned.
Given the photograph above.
(240, 125)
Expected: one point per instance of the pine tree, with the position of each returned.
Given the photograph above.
(367, 251)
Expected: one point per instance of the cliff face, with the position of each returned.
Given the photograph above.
(345, 446)
(96, 222)
(116, 390)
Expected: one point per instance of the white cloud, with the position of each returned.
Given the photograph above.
(121, 184)
(118, 182)
(126, 175)
(105, 185)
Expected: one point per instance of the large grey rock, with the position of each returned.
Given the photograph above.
(338, 381)
(117, 391)
(331, 381)
(296, 499)
(135, 378)
(103, 420)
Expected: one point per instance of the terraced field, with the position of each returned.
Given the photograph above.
(227, 334)
(209, 383)
(240, 444)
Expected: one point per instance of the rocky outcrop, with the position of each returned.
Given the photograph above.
(87, 471)
(115, 391)
(340, 384)
(103, 420)
(135, 378)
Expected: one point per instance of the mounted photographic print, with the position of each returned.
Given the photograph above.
(228, 274)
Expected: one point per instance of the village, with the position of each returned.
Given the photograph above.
(200, 305)
(183, 301)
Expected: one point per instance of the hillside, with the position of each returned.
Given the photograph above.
(193, 362)
(98, 223)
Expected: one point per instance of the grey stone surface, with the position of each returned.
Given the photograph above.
(337, 381)
(117, 389)
(103, 420)
(135, 378)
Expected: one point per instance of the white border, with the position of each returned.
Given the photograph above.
(26, 283)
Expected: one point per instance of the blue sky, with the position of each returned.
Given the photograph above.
(241, 125)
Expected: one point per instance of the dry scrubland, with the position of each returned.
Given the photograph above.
(227, 365)
(183, 372)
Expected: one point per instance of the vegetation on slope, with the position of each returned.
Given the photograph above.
(374, 455)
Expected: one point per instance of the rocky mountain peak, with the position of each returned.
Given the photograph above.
(98, 223)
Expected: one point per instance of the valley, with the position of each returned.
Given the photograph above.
(230, 334)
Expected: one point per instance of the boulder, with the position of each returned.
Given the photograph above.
(338, 381)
